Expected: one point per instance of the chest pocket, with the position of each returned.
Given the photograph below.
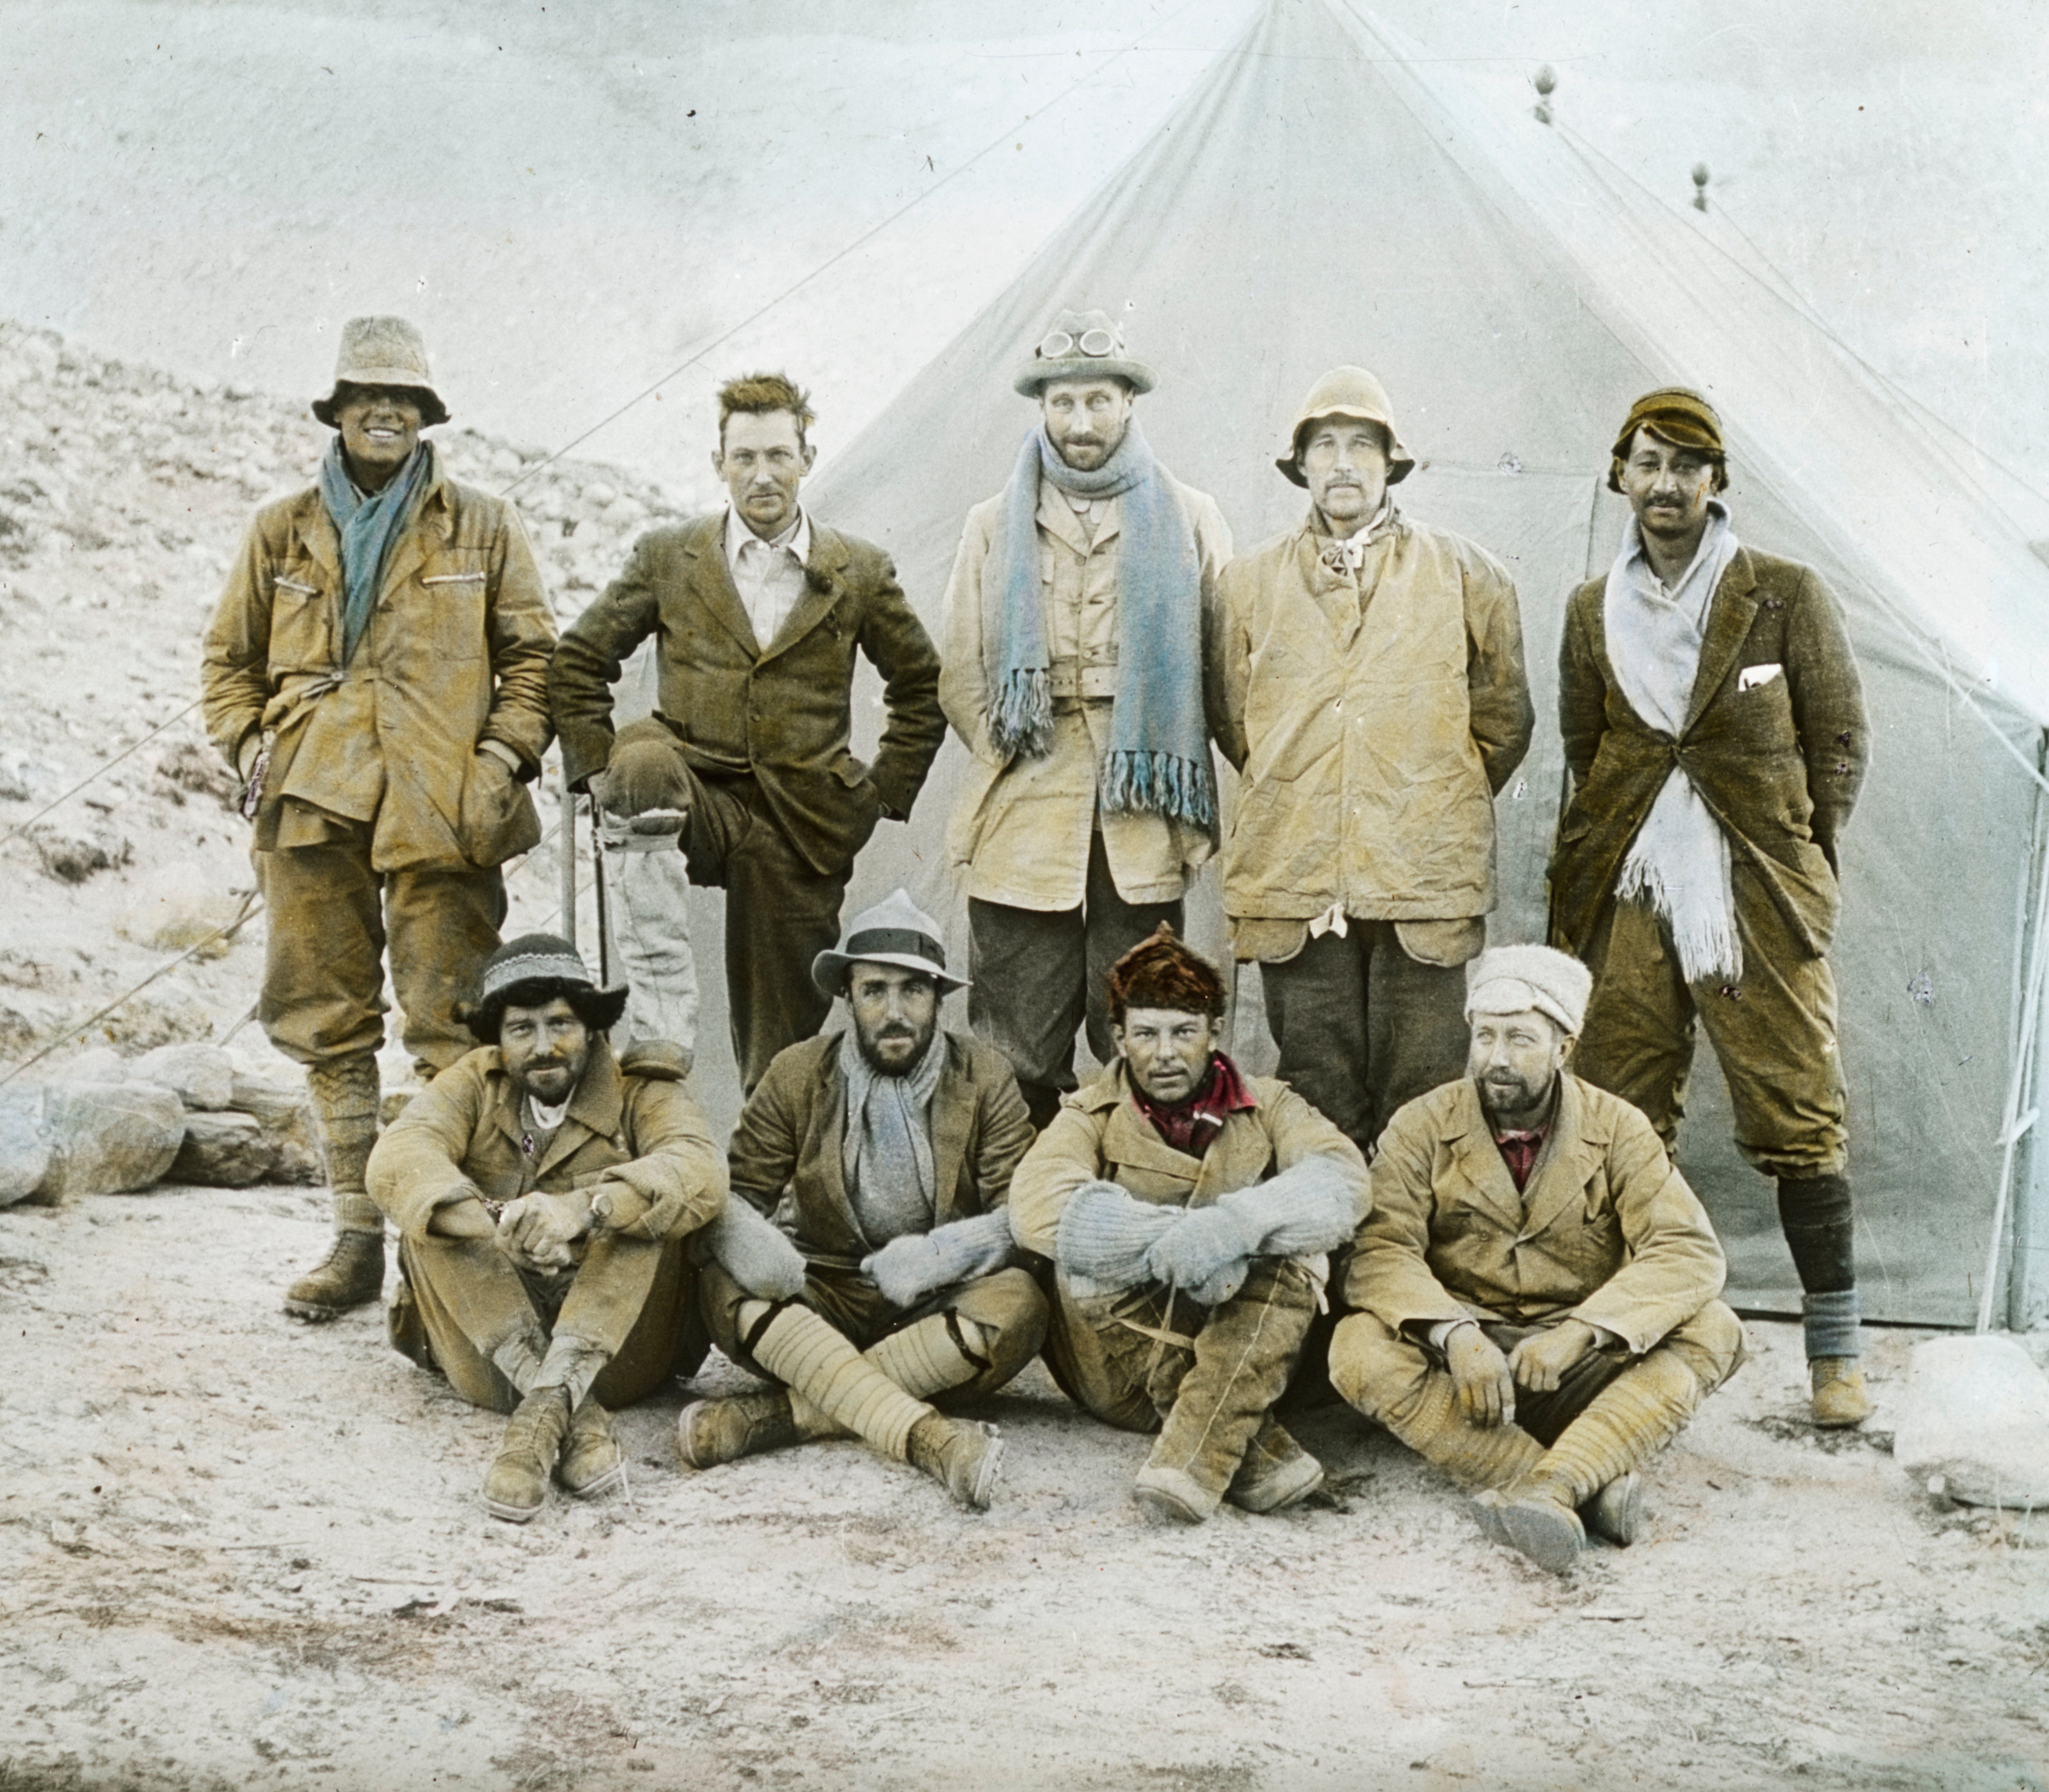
(450, 588)
(303, 616)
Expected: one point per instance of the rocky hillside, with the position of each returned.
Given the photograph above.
(123, 494)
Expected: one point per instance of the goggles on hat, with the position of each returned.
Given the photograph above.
(1056, 344)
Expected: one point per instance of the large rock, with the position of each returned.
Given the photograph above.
(288, 1120)
(1976, 1413)
(200, 1075)
(25, 1153)
(226, 1151)
(103, 1138)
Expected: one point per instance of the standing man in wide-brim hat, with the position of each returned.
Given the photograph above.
(1081, 636)
(377, 671)
(1714, 727)
(1375, 702)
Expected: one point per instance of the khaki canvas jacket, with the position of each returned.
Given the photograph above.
(1370, 735)
(1100, 1135)
(456, 653)
(1021, 827)
(790, 1142)
(1779, 764)
(643, 1135)
(783, 712)
(1606, 1229)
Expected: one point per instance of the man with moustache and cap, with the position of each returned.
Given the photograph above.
(377, 671)
(1535, 1283)
(1714, 727)
(1080, 633)
(1374, 701)
(893, 1143)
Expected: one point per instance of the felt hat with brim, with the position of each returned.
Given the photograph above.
(530, 970)
(1076, 362)
(895, 931)
(1347, 391)
(1513, 979)
(383, 352)
(1677, 413)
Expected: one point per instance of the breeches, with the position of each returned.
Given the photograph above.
(1006, 1309)
(633, 1299)
(1773, 1033)
(1037, 974)
(330, 917)
(1363, 1027)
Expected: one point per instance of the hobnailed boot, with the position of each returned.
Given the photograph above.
(516, 1486)
(961, 1455)
(1837, 1391)
(592, 1461)
(1616, 1512)
(1277, 1473)
(1174, 1493)
(1533, 1517)
(351, 1274)
(710, 1432)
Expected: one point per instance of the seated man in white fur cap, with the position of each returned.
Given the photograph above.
(1535, 1282)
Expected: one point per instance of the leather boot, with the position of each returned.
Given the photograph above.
(962, 1457)
(1277, 1473)
(1174, 1493)
(591, 1462)
(710, 1432)
(345, 1103)
(1839, 1391)
(1616, 1512)
(516, 1485)
(1533, 1517)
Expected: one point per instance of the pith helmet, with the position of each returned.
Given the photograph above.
(1082, 345)
(895, 931)
(1347, 391)
(383, 351)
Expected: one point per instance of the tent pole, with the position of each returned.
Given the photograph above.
(2018, 1088)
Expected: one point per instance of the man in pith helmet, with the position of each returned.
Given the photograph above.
(1375, 702)
(1714, 727)
(1081, 624)
(377, 671)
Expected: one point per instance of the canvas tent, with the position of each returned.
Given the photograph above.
(1322, 196)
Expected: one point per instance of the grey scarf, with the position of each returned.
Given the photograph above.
(887, 1156)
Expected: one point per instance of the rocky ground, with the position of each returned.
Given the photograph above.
(238, 1551)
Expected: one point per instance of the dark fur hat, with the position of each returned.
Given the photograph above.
(1160, 972)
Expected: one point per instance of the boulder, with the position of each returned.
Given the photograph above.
(200, 1075)
(226, 1151)
(1975, 1417)
(287, 1118)
(25, 1153)
(103, 1138)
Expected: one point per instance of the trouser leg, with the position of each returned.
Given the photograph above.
(1110, 927)
(480, 1326)
(1316, 1010)
(822, 1369)
(1398, 1385)
(443, 925)
(323, 993)
(634, 1303)
(1637, 1041)
(1028, 994)
(647, 892)
(1416, 1030)
(1101, 1363)
(1242, 1355)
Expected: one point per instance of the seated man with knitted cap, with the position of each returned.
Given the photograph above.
(1188, 1211)
(892, 1142)
(1536, 1283)
(543, 1192)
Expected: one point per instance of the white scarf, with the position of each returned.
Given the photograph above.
(1679, 861)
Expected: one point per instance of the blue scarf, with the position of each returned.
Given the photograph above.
(1159, 755)
(367, 528)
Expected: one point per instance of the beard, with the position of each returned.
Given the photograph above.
(896, 1049)
(1504, 1094)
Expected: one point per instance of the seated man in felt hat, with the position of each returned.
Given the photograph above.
(1187, 1209)
(543, 1192)
(1536, 1283)
(892, 1141)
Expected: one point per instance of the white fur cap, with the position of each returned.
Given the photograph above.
(1508, 979)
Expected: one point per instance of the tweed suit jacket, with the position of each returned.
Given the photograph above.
(781, 711)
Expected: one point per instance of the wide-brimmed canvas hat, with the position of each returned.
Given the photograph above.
(540, 966)
(895, 931)
(383, 351)
(1347, 391)
(1082, 345)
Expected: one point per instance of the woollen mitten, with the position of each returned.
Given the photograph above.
(956, 1252)
(1202, 1242)
(1311, 1207)
(1104, 1234)
(755, 1253)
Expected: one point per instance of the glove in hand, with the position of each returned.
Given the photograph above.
(1201, 1242)
(906, 1270)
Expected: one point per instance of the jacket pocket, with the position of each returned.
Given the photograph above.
(866, 801)
(496, 819)
(302, 628)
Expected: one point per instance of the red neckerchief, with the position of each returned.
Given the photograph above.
(1519, 1151)
(1188, 1126)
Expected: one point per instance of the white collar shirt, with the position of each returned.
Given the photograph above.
(769, 576)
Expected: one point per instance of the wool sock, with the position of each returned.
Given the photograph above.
(1831, 1324)
(829, 1380)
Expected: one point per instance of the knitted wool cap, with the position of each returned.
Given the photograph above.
(1676, 413)
(1347, 391)
(538, 967)
(383, 351)
(1509, 979)
(1160, 972)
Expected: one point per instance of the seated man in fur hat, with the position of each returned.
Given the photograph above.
(1188, 1210)
(1536, 1282)
(543, 1192)
(892, 1141)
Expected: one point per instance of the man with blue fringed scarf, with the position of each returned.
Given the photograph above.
(377, 672)
(1080, 668)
